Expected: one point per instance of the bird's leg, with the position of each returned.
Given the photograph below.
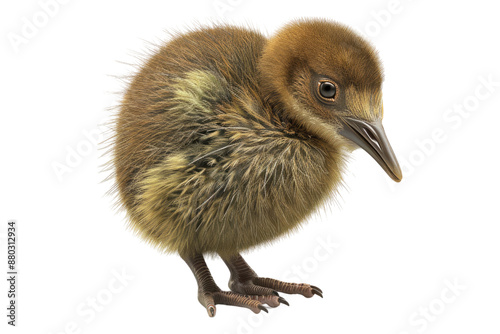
(209, 294)
(245, 281)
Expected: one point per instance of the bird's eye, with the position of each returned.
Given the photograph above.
(327, 90)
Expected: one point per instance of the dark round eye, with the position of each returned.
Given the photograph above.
(327, 90)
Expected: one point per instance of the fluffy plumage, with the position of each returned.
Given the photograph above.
(220, 144)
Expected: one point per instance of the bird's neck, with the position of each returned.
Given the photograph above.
(294, 120)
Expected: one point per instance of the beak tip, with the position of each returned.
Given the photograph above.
(396, 173)
(397, 177)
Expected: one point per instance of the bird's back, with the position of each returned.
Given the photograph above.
(201, 158)
(164, 107)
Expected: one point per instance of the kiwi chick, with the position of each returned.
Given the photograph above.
(226, 139)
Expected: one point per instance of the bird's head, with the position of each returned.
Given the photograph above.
(328, 79)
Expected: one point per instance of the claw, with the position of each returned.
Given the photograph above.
(317, 291)
(283, 301)
(263, 308)
(276, 293)
(211, 310)
(316, 288)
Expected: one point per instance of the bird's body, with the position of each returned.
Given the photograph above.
(226, 139)
(204, 163)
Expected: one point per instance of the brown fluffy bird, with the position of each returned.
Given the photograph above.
(226, 139)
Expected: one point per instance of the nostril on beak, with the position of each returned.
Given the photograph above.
(369, 133)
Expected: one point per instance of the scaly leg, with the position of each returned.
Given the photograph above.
(209, 294)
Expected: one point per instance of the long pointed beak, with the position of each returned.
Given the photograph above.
(371, 137)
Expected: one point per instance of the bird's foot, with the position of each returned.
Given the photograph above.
(245, 281)
(247, 288)
(252, 302)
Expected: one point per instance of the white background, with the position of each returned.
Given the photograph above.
(394, 248)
